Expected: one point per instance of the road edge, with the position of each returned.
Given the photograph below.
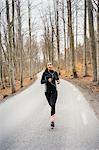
(90, 97)
(18, 92)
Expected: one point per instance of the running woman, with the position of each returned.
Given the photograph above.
(49, 78)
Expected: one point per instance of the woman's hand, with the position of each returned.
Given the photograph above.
(50, 79)
(58, 82)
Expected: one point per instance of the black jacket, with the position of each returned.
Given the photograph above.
(50, 87)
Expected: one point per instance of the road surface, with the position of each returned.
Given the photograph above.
(25, 125)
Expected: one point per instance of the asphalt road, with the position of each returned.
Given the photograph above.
(25, 124)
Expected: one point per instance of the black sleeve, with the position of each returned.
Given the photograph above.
(56, 76)
(43, 79)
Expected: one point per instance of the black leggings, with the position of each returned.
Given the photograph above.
(51, 98)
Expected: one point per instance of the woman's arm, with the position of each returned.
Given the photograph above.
(57, 77)
(43, 79)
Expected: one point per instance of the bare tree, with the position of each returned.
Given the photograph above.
(64, 28)
(1, 63)
(13, 31)
(30, 51)
(11, 64)
(57, 33)
(52, 35)
(0, 52)
(20, 42)
(45, 49)
(71, 38)
(92, 39)
(48, 41)
(85, 37)
(98, 41)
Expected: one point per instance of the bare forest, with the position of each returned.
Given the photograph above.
(65, 32)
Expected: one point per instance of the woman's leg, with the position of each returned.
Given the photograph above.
(53, 110)
(51, 98)
(48, 95)
(53, 103)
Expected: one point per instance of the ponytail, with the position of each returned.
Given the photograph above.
(46, 70)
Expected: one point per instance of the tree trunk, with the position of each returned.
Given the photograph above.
(76, 31)
(13, 44)
(13, 32)
(52, 60)
(48, 43)
(64, 28)
(52, 36)
(71, 39)
(46, 49)
(1, 63)
(98, 41)
(20, 43)
(57, 33)
(85, 36)
(92, 39)
(11, 64)
(29, 22)
(0, 54)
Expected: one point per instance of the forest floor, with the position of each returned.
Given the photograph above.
(89, 89)
(5, 93)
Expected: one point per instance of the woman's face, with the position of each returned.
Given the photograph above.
(50, 66)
